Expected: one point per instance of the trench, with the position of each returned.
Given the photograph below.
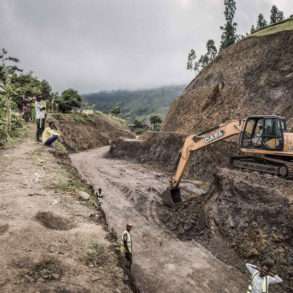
(162, 262)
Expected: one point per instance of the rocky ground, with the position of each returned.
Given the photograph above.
(52, 239)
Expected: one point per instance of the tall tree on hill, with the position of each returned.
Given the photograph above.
(276, 15)
(191, 57)
(212, 50)
(229, 35)
(252, 30)
(261, 22)
(280, 16)
(192, 63)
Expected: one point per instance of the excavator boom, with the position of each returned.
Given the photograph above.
(193, 143)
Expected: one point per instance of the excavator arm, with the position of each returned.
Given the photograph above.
(197, 142)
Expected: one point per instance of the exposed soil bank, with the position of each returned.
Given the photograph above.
(162, 262)
(240, 219)
(162, 149)
(82, 131)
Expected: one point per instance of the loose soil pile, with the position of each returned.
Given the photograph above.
(82, 131)
(240, 219)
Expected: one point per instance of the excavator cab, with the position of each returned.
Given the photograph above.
(263, 133)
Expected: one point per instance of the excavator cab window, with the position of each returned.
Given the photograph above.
(263, 133)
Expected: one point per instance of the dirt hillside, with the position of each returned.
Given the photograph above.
(82, 131)
(254, 76)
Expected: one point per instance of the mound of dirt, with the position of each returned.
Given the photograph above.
(254, 76)
(81, 131)
(162, 150)
(241, 219)
(55, 222)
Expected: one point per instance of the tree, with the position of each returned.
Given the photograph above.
(204, 61)
(276, 15)
(252, 30)
(116, 110)
(229, 35)
(212, 50)
(191, 57)
(280, 16)
(156, 121)
(261, 22)
(69, 100)
(138, 123)
(45, 90)
(8, 71)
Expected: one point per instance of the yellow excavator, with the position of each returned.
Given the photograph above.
(265, 146)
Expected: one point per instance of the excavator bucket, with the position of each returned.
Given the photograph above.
(171, 196)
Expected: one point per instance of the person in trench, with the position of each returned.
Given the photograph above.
(261, 279)
(126, 247)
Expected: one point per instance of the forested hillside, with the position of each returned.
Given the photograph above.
(136, 104)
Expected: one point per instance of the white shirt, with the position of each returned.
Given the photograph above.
(127, 238)
(40, 114)
(258, 281)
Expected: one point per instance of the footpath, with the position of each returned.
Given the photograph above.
(50, 239)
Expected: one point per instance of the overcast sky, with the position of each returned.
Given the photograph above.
(94, 45)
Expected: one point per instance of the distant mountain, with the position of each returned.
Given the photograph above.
(137, 104)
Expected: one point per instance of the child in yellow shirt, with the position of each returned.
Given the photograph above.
(50, 134)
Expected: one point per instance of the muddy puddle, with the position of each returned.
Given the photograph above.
(162, 262)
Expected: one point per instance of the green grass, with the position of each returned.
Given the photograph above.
(286, 25)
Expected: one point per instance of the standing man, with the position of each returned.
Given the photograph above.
(126, 246)
(262, 278)
(40, 108)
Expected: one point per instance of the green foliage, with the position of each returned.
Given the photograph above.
(191, 59)
(69, 100)
(45, 89)
(156, 121)
(116, 110)
(229, 35)
(272, 29)
(211, 50)
(261, 22)
(138, 123)
(205, 60)
(276, 15)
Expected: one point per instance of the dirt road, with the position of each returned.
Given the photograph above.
(162, 263)
(48, 241)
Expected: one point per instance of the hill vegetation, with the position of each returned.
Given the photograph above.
(286, 25)
(138, 104)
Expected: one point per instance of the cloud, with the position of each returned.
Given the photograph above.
(108, 44)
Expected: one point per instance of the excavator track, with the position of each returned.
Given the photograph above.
(264, 164)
